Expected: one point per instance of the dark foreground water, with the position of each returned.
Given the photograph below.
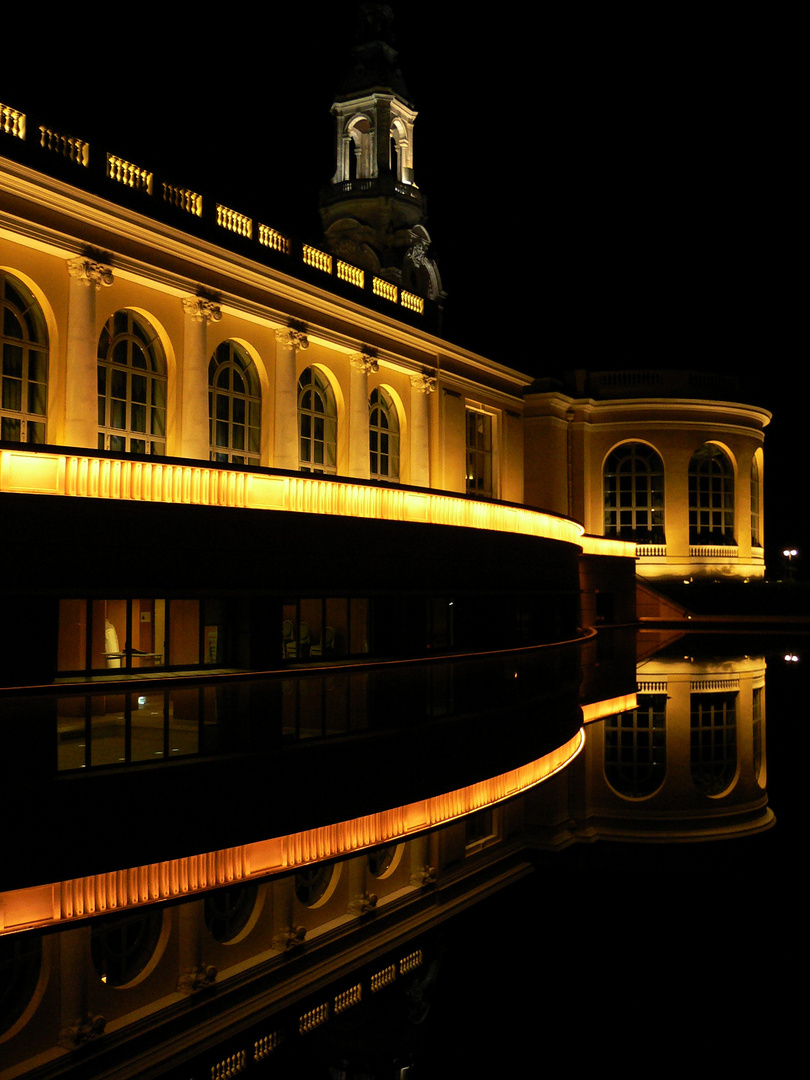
(609, 954)
(687, 956)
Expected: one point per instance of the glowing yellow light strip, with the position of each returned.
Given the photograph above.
(80, 898)
(598, 710)
(604, 545)
(31, 473)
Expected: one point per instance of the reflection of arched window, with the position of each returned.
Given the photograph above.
(23, 364)
(234, 406)
(757, 732)
(634, 494)
(131, 387)
(123, 945)
(381, 859)
(20, 964)
(312, 883)
(713, 746)
(317, 424)
(227, 911)
(711, 497)
(756, 505)
(383, 433)
(635, 747)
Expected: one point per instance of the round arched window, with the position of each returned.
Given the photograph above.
(383, 434)
(235, 407)
(634, 494)
(131, 386)
(23, 364)
(317, 424)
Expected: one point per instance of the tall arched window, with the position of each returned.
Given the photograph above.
(234, 406)
(383, 436)
(317, 424)
(711, 497)
(131, 386)
(756, 505)
(634, 494)
(23, 364)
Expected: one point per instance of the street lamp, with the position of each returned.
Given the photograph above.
(790, 554)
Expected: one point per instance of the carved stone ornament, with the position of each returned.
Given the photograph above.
(292, 339)
(90, 272)
(290, 937)
(425, 876)
(362, 905)
(424, 383)
(81, 1032)
(198, 978)
(202, 310)
(364, 362)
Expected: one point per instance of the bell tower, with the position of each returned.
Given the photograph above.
(373, 213)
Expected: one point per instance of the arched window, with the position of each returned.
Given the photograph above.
(711, 497)
(23, 364)
(131, 386)
(317, 424)
(756, 506)
(361, 162)
(234, 406)
(634, 494)
(713, 749)
(635, 747)
(383, 436)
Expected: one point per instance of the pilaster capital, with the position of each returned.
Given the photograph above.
(424, 383)
(90, 272)
(292, 339)
(202, 310)
(364, 362)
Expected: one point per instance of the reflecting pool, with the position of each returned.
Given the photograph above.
(454, 869)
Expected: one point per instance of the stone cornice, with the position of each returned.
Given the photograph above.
(183, 263)
(587, 410)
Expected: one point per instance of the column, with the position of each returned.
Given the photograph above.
(361, 364)
(194, 431)
(285, 418)
(422, 386)
(81, 382)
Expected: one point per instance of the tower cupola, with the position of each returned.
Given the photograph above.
(373, 212)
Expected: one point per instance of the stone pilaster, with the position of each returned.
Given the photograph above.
(361, 365)
(422, 386)
(194, 433)
(285, 420)
(81, 384)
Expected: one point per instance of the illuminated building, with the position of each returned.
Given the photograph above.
(249, 495)
(667, 459)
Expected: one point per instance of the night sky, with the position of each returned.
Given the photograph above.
(603, 191)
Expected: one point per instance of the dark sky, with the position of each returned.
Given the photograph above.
(603, 191)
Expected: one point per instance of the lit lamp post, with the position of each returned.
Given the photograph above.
(790, 554)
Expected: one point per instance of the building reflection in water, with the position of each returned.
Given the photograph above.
(432, 949)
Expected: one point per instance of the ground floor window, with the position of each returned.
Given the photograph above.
(324, 628)
(128, 634)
